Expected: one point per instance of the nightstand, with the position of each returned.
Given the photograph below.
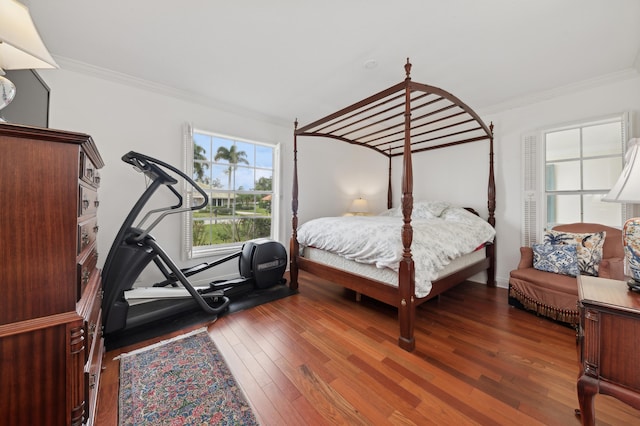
(609, 340)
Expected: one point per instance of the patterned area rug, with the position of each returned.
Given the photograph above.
(182, 381)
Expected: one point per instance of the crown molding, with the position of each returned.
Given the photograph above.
(140, 83)
(568, 89)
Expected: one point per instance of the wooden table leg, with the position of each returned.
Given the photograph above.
(587, 389)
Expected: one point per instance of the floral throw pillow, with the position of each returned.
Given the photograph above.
(589, 247)
(559, 259)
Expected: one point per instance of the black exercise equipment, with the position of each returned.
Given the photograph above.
(261, 263)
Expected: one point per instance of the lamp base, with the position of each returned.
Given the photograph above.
(7, 91)
(633, 285)
(631, 243)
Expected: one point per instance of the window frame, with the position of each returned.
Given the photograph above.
(188, 250)
(623, 119)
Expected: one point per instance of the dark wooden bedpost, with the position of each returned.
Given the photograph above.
(406, 284)
(294, 246)
(491, 204)
(389, 193)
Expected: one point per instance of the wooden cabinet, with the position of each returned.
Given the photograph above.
(51, 344)
(609, 343)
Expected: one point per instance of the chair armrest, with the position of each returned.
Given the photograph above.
(526, 258)
(612, 268)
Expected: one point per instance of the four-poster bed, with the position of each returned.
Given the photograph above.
(406, 118)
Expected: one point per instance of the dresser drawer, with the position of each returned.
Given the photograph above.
(88, 171)
(88, 201)
(86, 268)
(94, 321)
(87, 233)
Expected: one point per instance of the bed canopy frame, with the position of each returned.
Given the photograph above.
(406, 118)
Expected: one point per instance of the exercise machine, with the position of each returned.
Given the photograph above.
(261, 262)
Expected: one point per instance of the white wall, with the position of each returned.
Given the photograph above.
(331, 174)
(122, 118)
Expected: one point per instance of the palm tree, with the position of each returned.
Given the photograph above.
(233, 157)
(200, 167)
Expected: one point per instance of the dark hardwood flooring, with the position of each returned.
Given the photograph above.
(318, 358)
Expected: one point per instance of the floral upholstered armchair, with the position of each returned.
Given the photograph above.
(545, 281)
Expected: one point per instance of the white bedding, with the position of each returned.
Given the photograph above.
(437, 239)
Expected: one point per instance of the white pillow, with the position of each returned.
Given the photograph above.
(421, 210)
(428, 209)
(393, 212)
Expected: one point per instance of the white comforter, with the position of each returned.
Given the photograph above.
(377, 240)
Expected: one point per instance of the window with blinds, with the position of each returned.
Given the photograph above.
(566, 172)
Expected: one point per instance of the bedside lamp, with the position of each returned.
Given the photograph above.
(627, 190)
(20, 46)
(359, 207)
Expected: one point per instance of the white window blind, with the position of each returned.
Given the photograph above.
(530, 190)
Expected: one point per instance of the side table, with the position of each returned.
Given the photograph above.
(609, 339)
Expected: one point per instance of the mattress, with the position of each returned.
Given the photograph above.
(387, 275)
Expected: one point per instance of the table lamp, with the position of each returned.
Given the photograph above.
(359, 207)
(20, 46)
(627, 190)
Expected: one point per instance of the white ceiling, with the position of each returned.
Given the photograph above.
(305, 58)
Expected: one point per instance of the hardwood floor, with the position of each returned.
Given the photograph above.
(320, 358)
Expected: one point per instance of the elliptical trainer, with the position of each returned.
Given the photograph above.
(261, 263)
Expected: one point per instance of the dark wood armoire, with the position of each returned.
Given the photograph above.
(51, 345)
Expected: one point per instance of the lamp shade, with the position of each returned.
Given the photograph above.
(627, 188)
(20, 44)
(359, 205)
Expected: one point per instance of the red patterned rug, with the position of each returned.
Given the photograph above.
(182, 381)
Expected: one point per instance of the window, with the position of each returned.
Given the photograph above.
(581, 164)
(567, 170)
(239, 177)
